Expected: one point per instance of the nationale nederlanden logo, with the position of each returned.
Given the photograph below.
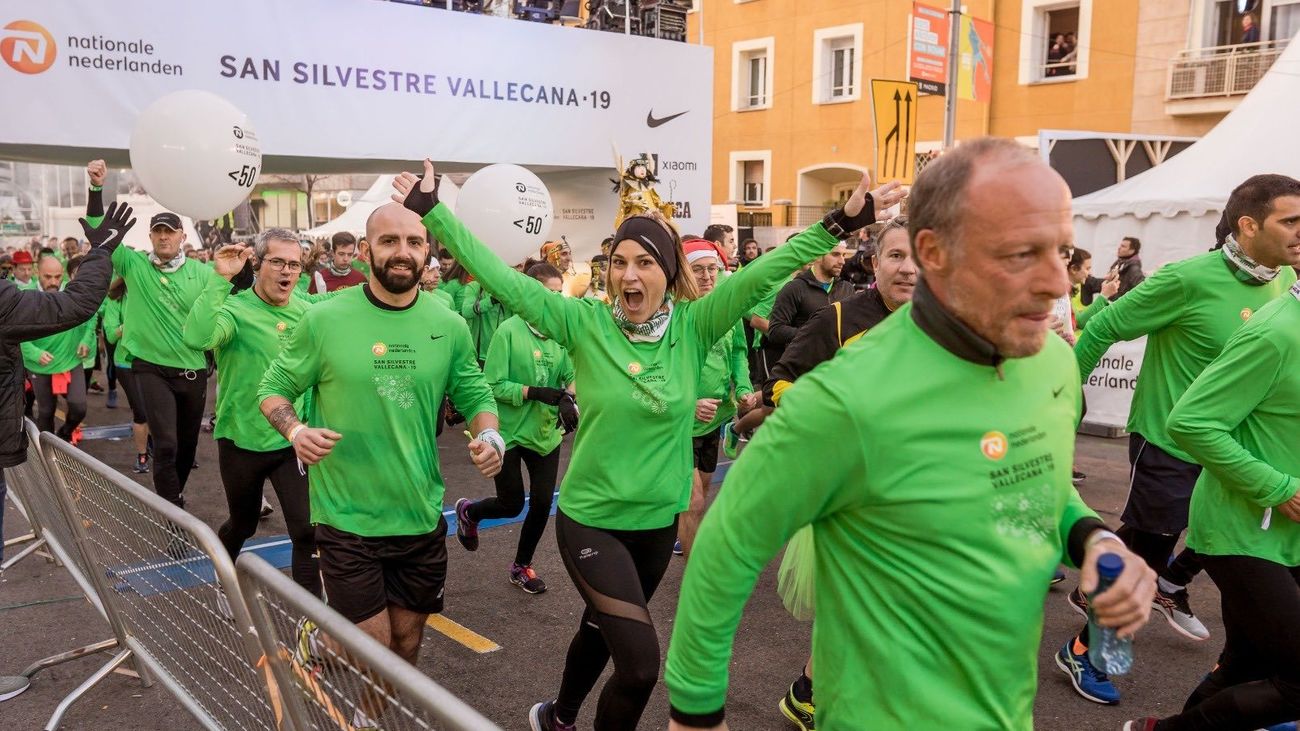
(379, 349)
(994, 445)
(27, 47)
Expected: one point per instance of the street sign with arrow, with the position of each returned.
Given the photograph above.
(894, 106)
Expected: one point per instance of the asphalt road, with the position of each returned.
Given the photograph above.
(41, 614)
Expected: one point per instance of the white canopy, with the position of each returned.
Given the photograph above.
(1174, 207)
(353, 220)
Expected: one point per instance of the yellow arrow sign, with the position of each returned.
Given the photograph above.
(894, 106)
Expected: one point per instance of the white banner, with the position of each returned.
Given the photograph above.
(335, 85)
(1109, 388)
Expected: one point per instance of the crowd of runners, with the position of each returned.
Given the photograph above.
(917, 395)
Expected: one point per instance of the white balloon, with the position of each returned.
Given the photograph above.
(195, 153)
(508, 208)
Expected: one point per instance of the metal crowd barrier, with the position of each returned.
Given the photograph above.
(353, 671)
(21, 481)
(47, 511)
(155, 565)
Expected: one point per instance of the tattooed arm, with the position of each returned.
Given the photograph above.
(310, 444)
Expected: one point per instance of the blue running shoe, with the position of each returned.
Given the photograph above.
(1288, 726)
(1087, 680)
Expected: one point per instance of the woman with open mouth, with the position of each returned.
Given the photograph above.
(637, 362)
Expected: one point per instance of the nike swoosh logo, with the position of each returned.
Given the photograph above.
(651, 121)
(434, 337)
(112, 234)
(1057, 391)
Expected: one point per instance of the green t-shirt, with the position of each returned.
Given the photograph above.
(112, 321)
(246, 334)
(519, 357)
(453, 287)
(379, 382)
(725, 376)
(1241, 420)
(940, 507)
(1187, 310)
(62, 346)
(446, 299)
(632, 466)
(303, 283)
(484, 315)
(157, 309)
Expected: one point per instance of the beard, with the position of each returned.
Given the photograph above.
(396, 282)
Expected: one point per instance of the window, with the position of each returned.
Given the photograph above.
(837, 76)
(751, 74)
(751, 177)
(1056, 47)
(1284, 20)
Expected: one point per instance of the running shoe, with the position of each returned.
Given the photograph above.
(466, 529)
(302, 652)
(111, 401)
(1142, 724)
(802, 715)
(1288, 726)
(267, 509)
(1076, 477)
(94, 387)
(525, 578)
(1078, 602)
(677, 548)
(730, 440)
(1059, 576)
(541, 717)
(12, 685)
(1087, 680)
(1178, 613)
(142, 463)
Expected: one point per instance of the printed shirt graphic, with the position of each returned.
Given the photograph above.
(940, 506)
(158, 306)
(379, 382)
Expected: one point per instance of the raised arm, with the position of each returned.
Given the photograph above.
(209, 325)
(1151, 306)
(553, 314)
(739, 293)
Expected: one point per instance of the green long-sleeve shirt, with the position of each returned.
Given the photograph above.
(61, 346)
(725, 376)
(157, 310)
(519, 357)
(1187, 310)
(484, 315)
(112, 322)
(940, 508)
(1241, 420)
(379, 382)
(631, 466)
(246, 333)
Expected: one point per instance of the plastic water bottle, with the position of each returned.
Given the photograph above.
(1108, 652)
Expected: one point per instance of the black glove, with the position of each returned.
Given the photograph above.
(421, 202)
(841, 225)
(548, 396)
(112, 229)
(568, 413)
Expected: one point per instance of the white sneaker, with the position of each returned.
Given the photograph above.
(1178, 612)
(266, 508)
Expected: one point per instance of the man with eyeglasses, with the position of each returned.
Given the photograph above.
(246, 331)
(172, 377)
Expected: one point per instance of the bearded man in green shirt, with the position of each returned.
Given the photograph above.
(941, 504)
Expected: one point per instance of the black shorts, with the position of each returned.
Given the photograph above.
(706, 451)
(362, 576)
(1160, 488)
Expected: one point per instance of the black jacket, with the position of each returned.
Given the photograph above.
(830, 329)
(30, 314)
(795, 304)
(1130, 274)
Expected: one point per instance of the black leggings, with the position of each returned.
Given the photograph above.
(46, 401)
(110, 368)
(173, 403)
(509, 501)
(1156, 549)
(134, 399)
(616, 572)
(243, 472)
(1257, 682)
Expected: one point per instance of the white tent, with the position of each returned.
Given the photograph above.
(353, 220)
(1174, 207)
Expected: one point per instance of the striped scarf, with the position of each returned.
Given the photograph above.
(1243, 267)
(649, 331)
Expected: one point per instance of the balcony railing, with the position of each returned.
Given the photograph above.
(1221, 71)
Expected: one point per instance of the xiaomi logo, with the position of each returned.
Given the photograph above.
(27, 47)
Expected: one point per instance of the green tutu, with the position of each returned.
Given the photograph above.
(795, 580)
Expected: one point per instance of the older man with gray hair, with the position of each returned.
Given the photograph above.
(246, 331)
(940, 505)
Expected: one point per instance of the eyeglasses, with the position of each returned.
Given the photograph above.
(281, 264)
(701, 270)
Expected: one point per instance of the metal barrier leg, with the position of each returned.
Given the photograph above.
(22, 554)
(68, 656)
(19, 539)
(82, 689)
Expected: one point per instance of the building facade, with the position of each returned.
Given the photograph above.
(793, 126)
